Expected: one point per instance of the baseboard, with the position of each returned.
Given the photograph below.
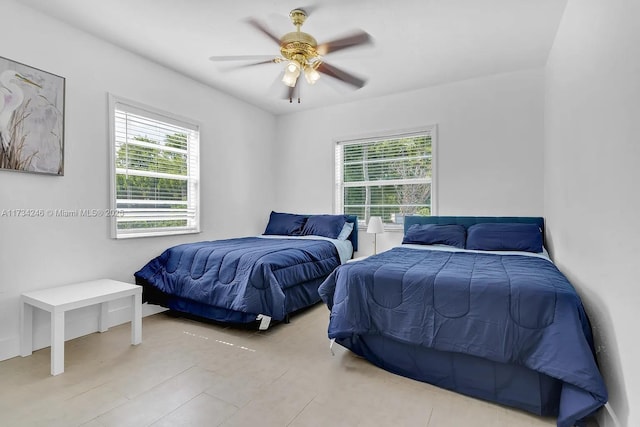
(149, 309)
(82, 322)
(9, 347)
(122, 315)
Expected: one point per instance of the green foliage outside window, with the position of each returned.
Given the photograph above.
(131, 187)
(390, 178)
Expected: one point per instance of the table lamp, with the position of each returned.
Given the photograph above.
(375, 226)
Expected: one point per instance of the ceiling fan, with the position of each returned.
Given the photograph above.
(303, 55)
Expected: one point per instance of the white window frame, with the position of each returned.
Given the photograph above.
(339, 185)
(193, 174)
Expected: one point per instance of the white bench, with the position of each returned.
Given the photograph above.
(61, 299)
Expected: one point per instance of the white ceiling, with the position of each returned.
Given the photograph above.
(417, 43)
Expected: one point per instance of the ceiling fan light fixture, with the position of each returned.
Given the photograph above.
(311, 75)
(300, 53)
(291, 73)
(289, 79)
(294, 68)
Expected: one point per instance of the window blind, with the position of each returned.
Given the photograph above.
(390, 176)
(155, 172)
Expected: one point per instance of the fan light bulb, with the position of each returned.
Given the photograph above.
(311, 75)
(291, 73)
(294, 68)
(289, 79)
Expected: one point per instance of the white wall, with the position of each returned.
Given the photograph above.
(236, 177)
(489, 148)
(592, 121)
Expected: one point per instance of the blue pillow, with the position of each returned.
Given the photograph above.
(436, 234)
(505, 237)
(285, 224)
(324, 225)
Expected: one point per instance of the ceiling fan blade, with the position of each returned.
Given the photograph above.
(242, 58)
(342, 75)
(356, 39)
(270, 61)
(252, 64)
(263, 29)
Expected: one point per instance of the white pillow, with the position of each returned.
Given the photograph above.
(347, 228)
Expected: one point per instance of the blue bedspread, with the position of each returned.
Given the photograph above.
(247, 275)
(510, 309)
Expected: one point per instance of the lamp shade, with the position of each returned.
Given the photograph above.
(375, 225)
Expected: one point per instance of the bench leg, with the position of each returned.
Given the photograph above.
(26, 329)
(57, 342)
(103, 324)
(136, 319)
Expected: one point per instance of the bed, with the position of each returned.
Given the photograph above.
(261, 278)
(474, 305)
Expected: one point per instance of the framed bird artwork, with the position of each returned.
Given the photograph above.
(31, 119)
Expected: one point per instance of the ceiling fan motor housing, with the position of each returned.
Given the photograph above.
(298, 46)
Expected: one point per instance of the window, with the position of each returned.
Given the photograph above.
(155, 171)
(388, 176)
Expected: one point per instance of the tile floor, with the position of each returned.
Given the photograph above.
(187, 373)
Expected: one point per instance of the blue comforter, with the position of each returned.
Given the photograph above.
(248, 275)
(511, 309)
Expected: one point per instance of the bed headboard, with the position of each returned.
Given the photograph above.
(468, 221)
(354, 233)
